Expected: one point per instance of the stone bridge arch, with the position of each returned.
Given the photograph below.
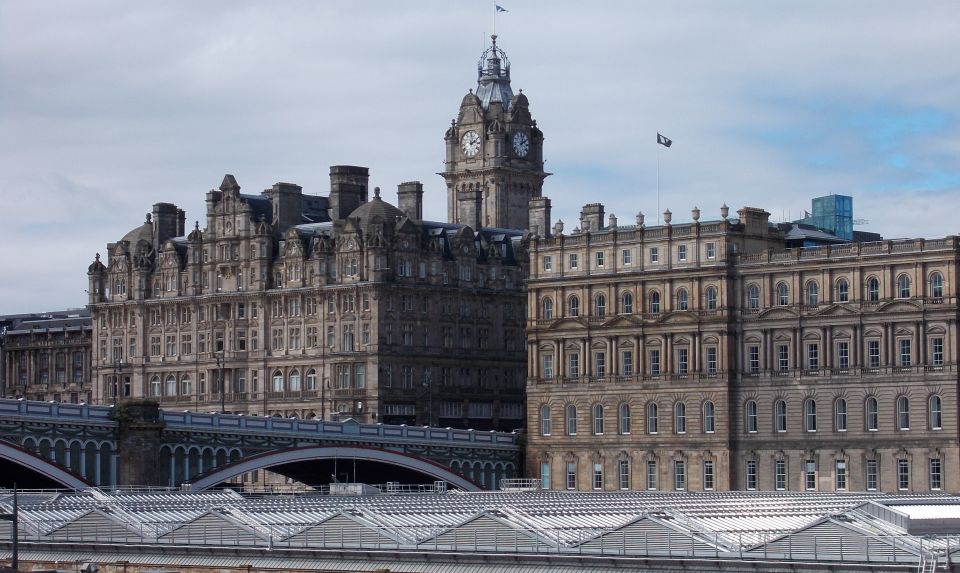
(21, 458)
(347, 454)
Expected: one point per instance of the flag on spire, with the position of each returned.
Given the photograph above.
(663, 140)
(501, 8)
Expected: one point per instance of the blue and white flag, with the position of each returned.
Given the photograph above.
(501, 8)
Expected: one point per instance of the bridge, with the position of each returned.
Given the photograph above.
(136, 443)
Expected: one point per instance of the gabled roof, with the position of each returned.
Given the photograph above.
(215, 527)
(490, 529)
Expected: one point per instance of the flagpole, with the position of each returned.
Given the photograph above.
(658, 178)
(494, 17)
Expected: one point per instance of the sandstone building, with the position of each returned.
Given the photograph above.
(289, 304)
(709, 356)
(46, 356)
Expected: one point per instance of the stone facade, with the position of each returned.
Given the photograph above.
(46, 356)
(709, 356)
(295, 305)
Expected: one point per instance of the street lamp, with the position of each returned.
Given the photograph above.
(223, 395)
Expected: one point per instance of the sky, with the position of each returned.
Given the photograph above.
(110, 106)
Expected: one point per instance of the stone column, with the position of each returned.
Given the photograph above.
(138, 442)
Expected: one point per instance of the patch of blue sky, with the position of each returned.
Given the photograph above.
(886, 129)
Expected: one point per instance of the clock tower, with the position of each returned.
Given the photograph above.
(494, 163)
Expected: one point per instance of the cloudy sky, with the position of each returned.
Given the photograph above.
(107, 107)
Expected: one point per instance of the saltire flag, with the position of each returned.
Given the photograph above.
(501, 8)
(663, 140)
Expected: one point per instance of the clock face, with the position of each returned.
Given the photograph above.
(521, 144)
(470, 143)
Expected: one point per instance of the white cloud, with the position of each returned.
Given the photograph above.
(109, 107)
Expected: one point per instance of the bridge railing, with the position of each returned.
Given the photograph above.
(349, 428)
(35, 409)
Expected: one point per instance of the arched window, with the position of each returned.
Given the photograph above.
(574, 305)
(680, 417)
(598, 419)
(655, 302)
(626, 301)
(278, 381)
(545, 420)
(813, 293)
(936, 285)
(872, 412)
(547, 308)
(171, 385)
(682, 300)
(750, 412)
(783, 294)
(624, 418)
(186, 385)
(903, 286)
(600, 305)
(753, 297)
(810, 415)
(295, 381)
(155, 386)
(651, 418)
(711, 298)
(843, 290)
(840, 415)
(780, 416)
(571, 420)
(873, 289)
(936, 412)
(903, 413)
(709, 417)
(312, 379)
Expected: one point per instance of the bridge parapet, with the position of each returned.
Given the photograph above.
(56, 410)
(320, 429)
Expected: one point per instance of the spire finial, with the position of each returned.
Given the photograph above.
(97, 258)
(196, 225)
(494, 38)
(376, 192)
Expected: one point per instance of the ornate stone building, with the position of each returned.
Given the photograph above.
(291, 304)
(46, 356)
(710, 356)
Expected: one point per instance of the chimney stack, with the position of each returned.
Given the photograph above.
(348, 189)
(591, 217)
(540, 216)
(410, 199)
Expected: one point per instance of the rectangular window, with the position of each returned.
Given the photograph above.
(623, 474)
(873, 353)
(573, 262)
(599, 258)
(651, 475)
(905, 351)
(708, 475)
(544, 475)
(682, 360)
(597, 476)
(547, 366)
(871, 475)
(573, 364)
(843, 355)
(711, 250)
(780, 475)
(627, 257)
(654, 255)
(753, 358)
(679, 475)
(783, 357)
(654, 362)
(751, 474)
(600, 364)
(681, 253)
(937, 346)
(810, 474)
(903, 474)
(841, 475)
(936, 475)
(571, 475)
(711, 360)
(547, 263)
(626, 361)
(813, 356)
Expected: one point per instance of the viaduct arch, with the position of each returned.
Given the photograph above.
(21, 458)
